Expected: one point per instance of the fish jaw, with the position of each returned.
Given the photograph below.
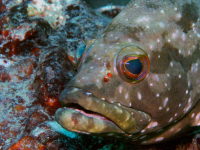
(85, 113)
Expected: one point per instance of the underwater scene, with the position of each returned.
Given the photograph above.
(99, 74)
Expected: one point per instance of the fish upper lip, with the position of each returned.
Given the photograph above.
(118, 115)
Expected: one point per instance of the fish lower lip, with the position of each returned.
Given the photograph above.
(78, 121)
(102, 116)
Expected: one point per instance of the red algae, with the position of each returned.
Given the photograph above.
(13, 40)
(37, 116)
(27, 143)
(4, 75)
(53, 103)
(33, 72)
(54, 70)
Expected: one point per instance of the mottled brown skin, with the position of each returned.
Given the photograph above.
(166, 102)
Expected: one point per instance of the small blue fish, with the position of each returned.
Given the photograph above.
(140, 80)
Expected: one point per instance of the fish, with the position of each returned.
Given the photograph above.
(138, 81)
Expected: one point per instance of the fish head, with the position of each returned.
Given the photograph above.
(135, 79)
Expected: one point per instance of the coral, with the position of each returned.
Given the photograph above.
(34, 68)
(12, 40)
(52, 11)
(11, 3)
(54, 72)
(27, 143)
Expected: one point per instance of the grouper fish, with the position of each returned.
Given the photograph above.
(139, 80)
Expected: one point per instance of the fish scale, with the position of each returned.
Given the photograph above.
(162, 98)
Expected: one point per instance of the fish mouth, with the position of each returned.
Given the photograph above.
(85, 113)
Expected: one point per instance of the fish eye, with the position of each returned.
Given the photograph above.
(132, 64)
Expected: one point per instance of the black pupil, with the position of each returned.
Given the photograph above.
(134, 66)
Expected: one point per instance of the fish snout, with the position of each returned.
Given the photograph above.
(85, 113)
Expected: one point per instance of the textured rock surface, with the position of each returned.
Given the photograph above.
(35, 43)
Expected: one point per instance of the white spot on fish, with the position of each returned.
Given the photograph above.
(179, 105)
(142, 131)
(189, 100)
(139, 95)
(186, 92)
(88, 93)
(157, 95)
(193, 114)
(120, 89)
(175, 114)
(171, 64)
(178, 130)
(151, 47)
(189, 83)
(159, 139)
(151, 84)
(179, 76)
(167, 109)
(143, 19)
(152, 124)
(155, 77)
(126, 95)
(160, 108)
(170, 119)
(197, 118)
(165, 101)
